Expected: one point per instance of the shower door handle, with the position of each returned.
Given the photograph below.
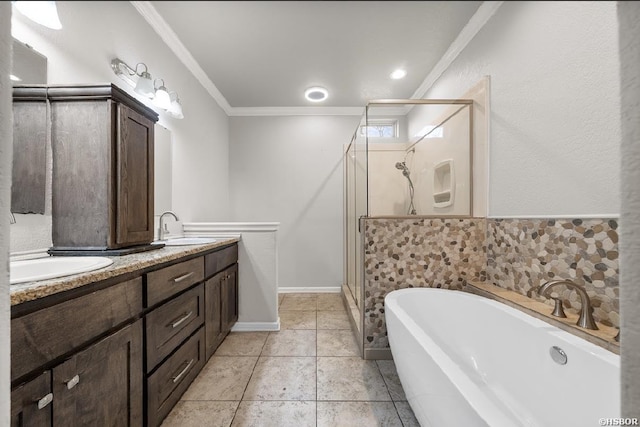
(360, 223)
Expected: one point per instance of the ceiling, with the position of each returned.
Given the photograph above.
(266, 53)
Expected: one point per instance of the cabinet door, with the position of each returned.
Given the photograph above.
(31, 403)
(212, 310)
(102, 385)
(134, 208)
(229, 296)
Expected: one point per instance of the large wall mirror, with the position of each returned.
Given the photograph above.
(29, 173)
(162, 169)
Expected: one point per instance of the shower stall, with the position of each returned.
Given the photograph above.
(407, 159)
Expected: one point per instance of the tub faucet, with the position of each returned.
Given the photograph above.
(163, 225)
(586, 318)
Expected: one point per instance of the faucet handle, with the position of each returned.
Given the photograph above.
(558, 309)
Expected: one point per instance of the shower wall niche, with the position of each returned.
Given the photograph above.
(410, 159)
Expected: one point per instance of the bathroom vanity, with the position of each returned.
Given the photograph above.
(119, 346)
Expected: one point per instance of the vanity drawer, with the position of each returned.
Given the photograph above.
(44, 335)
(168, 325)
(173, 377)
(219, 260)
(168, 281)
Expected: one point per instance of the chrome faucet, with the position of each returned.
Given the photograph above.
(161, 228)
(586, 317)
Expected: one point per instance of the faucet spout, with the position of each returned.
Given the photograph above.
(586, 317)
(161, 225)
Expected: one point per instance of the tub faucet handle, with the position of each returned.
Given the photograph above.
(586, 312)
(558, 309)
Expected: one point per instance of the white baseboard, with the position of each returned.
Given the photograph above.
(311, 290)
(256, 326)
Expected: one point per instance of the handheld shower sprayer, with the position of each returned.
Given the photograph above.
(407, 174)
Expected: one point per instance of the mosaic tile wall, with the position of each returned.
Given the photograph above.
(524, 253)
(517, 254)
(405, 253)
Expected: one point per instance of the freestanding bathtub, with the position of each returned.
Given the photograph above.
(466, 360)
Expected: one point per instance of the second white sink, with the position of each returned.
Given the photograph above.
(185, 241)
(31, 270)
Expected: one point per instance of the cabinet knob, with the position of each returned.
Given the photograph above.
(45, 401)
(73, 382)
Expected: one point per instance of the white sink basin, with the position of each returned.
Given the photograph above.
(51, 267)
(184, 241)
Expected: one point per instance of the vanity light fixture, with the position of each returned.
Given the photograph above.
(176, 107)
(162, 98)
(43, 12)
(398, 74)
(144, 84)
(316, 94)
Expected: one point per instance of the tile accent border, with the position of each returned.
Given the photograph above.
(524, 253)
(514, 254)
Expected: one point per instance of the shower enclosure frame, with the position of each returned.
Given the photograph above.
(354, 269)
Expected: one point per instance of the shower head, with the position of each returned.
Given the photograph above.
(400, 165)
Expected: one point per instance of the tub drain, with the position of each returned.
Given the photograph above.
(558, 355)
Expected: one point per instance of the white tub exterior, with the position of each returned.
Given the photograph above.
(466, 360)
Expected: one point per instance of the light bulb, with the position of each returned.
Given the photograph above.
(162, 98)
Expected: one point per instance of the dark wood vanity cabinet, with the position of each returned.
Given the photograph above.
(102, 142)
(221, 296)
(124, 353)
(79, 362)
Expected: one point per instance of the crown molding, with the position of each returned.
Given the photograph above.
(297, 111)
(151, 15)
(486, 10)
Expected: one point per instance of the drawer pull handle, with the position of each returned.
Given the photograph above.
(178, 322)
(183, 277)
(73, 382)
(184, 371)
(45, 401)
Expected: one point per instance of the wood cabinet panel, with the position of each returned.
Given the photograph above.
(168, 281)
(221, 259)
(44, 335)
(102, 385)
(135, 184)
(213, 313)
(168, 325)
(229, 298)
(31, 403)
(173, 377)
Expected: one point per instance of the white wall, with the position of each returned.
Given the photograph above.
(555, 127)
(289, 170)
(6, 131)
(96, 32)
(629, 15)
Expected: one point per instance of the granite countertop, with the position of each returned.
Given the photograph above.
(23, 292)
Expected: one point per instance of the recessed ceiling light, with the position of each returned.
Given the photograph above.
(398, 74)
(316, 94)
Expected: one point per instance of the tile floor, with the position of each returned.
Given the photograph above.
(307, 374)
